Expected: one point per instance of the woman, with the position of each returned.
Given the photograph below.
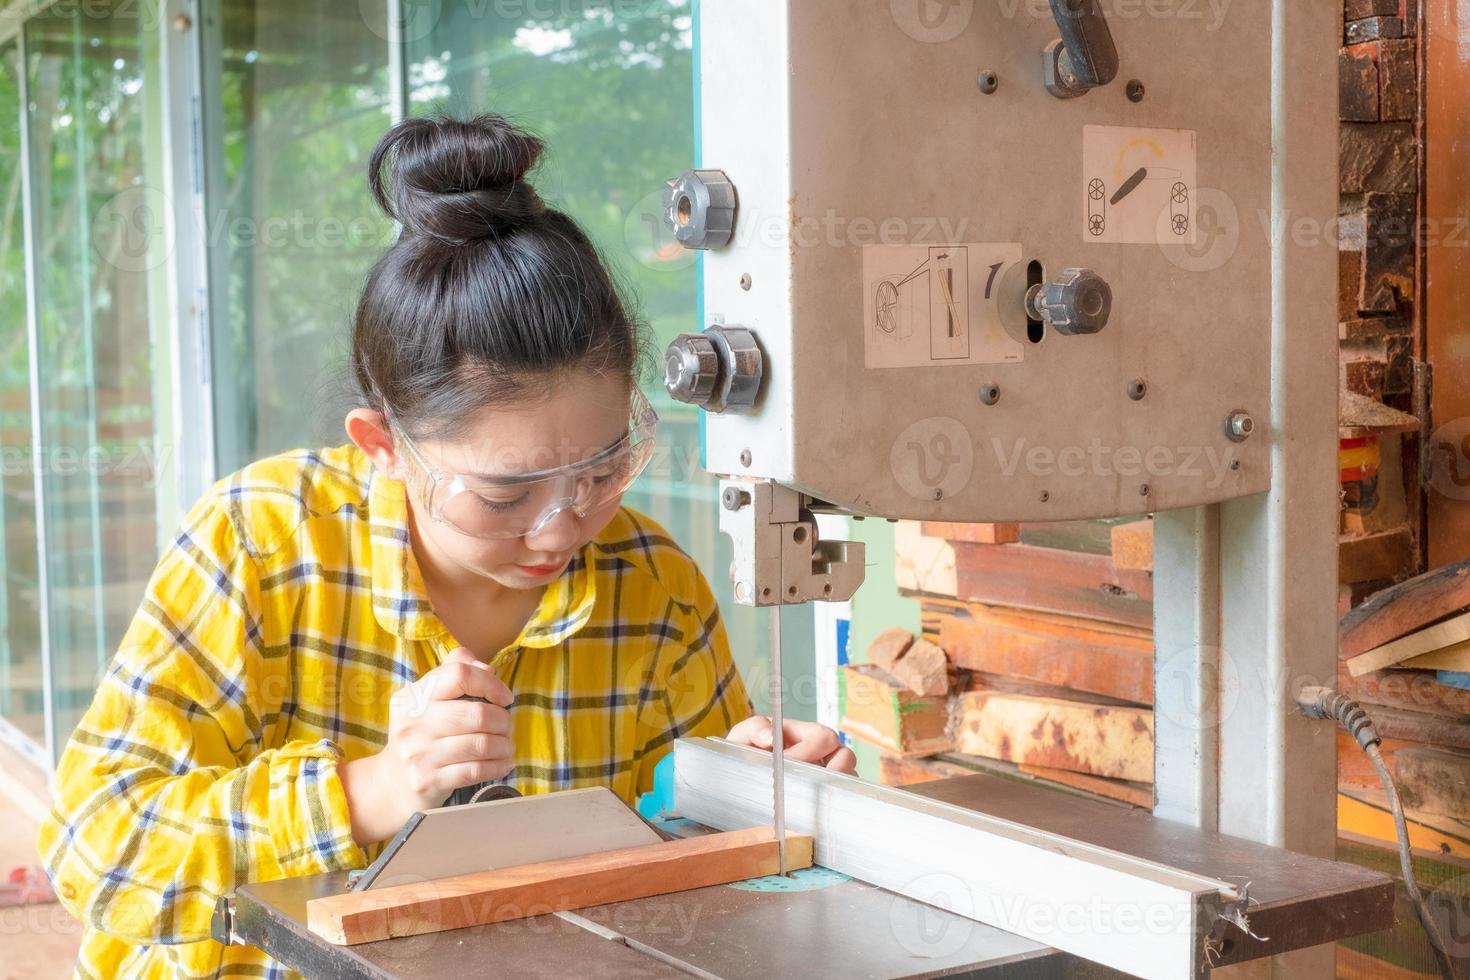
(339, 638)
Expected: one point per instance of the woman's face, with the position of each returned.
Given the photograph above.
(584, 413)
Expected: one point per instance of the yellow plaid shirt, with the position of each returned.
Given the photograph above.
(271, 636)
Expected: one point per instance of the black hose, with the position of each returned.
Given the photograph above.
(1327, 704)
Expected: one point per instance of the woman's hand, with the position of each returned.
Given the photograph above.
(806, 741)
(437, 742)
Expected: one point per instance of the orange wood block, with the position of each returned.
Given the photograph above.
(552, 886)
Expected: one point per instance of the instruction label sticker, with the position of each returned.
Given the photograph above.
(1139, 186)
(935, 305)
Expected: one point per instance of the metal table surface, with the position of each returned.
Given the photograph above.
(846, 928)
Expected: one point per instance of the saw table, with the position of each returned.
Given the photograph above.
(827, 922)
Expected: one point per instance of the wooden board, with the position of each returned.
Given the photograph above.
(1394, 612)
(1417, 726)
(1048, 580)
(896, 770)
(552, 886)
(974, 533)
(1412, 690)
(1451, 632)
(1432, 780)
(1133, 545)
(1044, 648)
(874, 707)
(1115, 742)
(1374, 557)
(1134, 794)
(1366, 813)
(1455, 657)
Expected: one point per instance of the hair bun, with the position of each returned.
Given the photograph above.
(460, 180)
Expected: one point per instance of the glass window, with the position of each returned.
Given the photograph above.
(610, 87)
(94, 222)
(298, 95)
(20, 621)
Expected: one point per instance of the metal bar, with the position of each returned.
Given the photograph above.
(1187, 682)
(778, 741)
(1160, 921)
(398, 96)
(185, 180)
(38, 427)
(1278, 550)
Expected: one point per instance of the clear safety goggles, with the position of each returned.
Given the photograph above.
(513, 505)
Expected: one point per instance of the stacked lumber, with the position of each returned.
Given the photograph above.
(1404, 653)
(1036, 653)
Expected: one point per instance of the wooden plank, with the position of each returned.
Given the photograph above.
(973, 533)
(897, 770)
(1374, 557)
(1116, 742)
(874, 707)
(923, 669)
(1443, 730)
(1053, 581)
(1062, 651)
(922, 564)
(552, 886)
(888, 646)
(1366, 814)
(1133, 545)
(1412, 690)
(1455, 657)
(1427, 640)
(1433, 780)
(1404, 608)
(1134, 794)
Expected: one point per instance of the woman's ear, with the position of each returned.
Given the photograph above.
(368, 430)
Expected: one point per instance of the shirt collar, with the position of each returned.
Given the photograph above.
(401, 600)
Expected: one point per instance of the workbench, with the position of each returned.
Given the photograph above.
(840, 927)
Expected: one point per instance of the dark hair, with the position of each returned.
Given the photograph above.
(488, 294)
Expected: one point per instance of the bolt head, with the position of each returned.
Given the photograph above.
(1240, 426)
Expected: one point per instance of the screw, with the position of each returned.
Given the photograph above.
(1045, 496)
(1143, 489)
(1235, 464)
(745, 281)
(1137, 388)
(988, 81)
(745, 457)
(734, 498)
(1136, 91)
(1239, 426)
(990, 394)
(938, 494)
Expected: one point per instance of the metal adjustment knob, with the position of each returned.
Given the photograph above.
(691, 369)
(719, 370)
(699, 208)
(1079, 301)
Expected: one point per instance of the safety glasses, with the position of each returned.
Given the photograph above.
(517, 504)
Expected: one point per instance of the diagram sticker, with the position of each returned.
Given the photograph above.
(1140, 186)
(936, 305)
